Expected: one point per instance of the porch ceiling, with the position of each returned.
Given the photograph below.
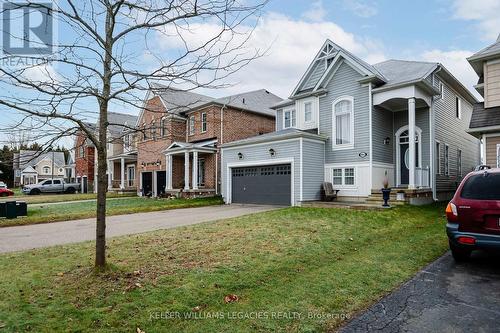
(397, 99)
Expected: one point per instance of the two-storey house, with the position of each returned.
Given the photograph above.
(485, 122)
(180, 133)
(354, 124)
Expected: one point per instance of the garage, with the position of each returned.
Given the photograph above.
(269, 184)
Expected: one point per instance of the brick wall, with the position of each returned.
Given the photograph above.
(237, 125)
(84, 165)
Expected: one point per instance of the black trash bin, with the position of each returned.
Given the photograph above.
(3, 209)
(22, 208)
(11, 210)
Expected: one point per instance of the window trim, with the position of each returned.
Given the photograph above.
(191, 125)
(459, 162)
(441, 90)
(458, 107)
(162, 126)
(203, 122)
(291, 110)
(349, 145)
(46, 168)
(438, 156)
(446, 160)
(343, 185)
(311, 111)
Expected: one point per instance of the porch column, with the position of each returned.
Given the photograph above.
(110, 177)
(122, 173)
(186, 170)
(195, 170)
(168, 185)
(411, 142)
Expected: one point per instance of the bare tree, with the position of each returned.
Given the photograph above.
(108, 51)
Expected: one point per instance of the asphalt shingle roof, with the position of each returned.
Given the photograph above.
(401, 71)
(482, 117)
(489, 50)
(32, 157)
(118, 120)
(259, 101)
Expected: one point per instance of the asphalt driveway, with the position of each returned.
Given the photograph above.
(42, 235)
(444, 297)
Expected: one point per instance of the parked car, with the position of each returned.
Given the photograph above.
(474, 214)
(3, 185)
(5, 192)
(51, 186)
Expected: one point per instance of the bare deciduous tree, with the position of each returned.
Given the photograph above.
(108, 52)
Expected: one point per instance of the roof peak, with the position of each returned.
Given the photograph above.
(412, 61)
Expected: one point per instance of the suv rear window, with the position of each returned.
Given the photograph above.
(482, 187)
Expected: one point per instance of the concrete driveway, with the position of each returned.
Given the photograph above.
(444, 297)
(49, 234)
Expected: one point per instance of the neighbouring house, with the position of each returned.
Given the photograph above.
(84, 159)
(354, 124)
(31, 167)
(121, 155)
(180, 134)
(485, 122)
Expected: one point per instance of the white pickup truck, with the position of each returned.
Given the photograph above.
(51, 186)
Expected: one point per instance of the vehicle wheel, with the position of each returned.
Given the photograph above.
(4, 194)
(459, 253)
(35, 191)
(70, 190)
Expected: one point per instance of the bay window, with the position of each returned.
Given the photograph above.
(290, 118)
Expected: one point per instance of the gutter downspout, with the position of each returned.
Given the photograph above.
(370, 130)
(221, 141)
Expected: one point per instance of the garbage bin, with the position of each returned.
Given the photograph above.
(22, 208)
(11, 210)
(3, 209)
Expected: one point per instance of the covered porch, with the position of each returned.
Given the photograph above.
(191, 169)
(122, 173)
(407, 115)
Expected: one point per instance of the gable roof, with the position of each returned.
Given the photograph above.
(316, 71)
(27, 158)
(178, 101)
(118, 122)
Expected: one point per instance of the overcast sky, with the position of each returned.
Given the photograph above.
(445, 31)
(292, 31)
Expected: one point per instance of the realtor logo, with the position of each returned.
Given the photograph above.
(27, 27)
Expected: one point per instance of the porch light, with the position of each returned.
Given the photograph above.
(272, 152)
(143, 164)
(387, 141)
(240, 156)
(158, 162)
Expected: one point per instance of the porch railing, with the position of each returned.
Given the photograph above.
(128, 183)
(422, 177)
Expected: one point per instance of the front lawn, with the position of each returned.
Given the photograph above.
(60, 197)
(45, 213)
(289, 270)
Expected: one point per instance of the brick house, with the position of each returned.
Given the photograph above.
(121, 154)
(180, 134)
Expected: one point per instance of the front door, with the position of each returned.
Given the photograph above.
(161, 178)
(147, 183)
(405, 171)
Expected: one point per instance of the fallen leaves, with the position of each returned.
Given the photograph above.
(231, 298)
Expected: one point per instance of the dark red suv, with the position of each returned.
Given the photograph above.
(474, 214)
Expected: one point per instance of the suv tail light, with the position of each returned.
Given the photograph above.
(452, 212)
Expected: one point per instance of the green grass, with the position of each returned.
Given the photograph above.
(46, 198)
(324, 262)
(46, 213)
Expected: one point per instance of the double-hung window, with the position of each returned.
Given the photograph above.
(308, 112)
(290, 118)
(458, 107)
(191, 125)
(343, 177)
(343, 122)
(203, 122)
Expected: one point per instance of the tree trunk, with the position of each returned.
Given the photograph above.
(102, 187)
